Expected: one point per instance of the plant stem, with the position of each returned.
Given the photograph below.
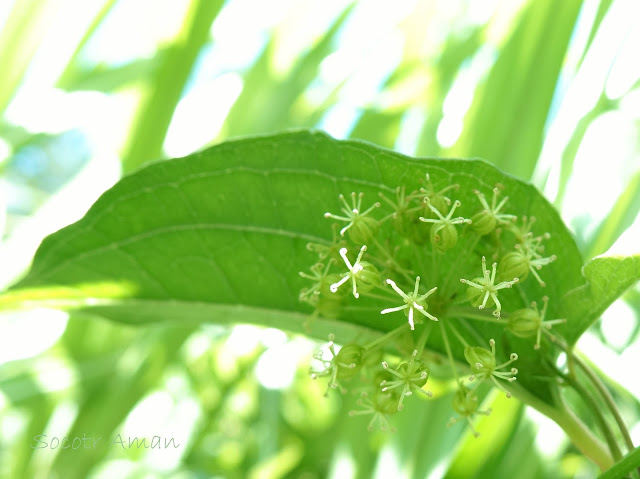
(474, 313)
(423, 339)
(448, 348)
(597, 413)
(458, 335)
(384, 337)
(583, 439)
(608, 399)
(579, 434)
(572, 360)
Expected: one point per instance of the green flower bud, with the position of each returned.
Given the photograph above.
(362, 274)
(363, 229)
(439, 202)
(480, 359)
(463, 403)
(444, 238)
(490, 216)
(349, 360)
(443, 232)
(385, 402)
(325, 285)
(419, 231)
(524, 323)
(514, 265)
(329, 306)
(483, 223)
(369, 277)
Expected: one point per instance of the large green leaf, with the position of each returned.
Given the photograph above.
(220, 236)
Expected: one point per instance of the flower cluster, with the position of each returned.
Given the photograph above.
(421, 245)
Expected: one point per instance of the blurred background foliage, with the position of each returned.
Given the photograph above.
(547, 90)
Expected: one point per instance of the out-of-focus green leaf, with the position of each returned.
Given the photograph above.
(105, 403)
(20, 38)
(496, 430)
(509, 112)
(570, 151)
(519, 457)
(622, 215)
(625, 466)
(150, 128)
(456, 51)
(266, 103)
(381, 127)
(607, 279)
(603, 8)
(109, 79)
(23, 391)
(423, 441)
(72, 70)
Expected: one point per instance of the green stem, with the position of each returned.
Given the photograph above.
(393, 261)
(378, 296)
(608, 399)
(385, 337)
(572, 360)
(456, 266)
(597, 414)
(449, 354)
(458, 335)
(583, 439)
(423, 339)
(580, 435)
(474, 313)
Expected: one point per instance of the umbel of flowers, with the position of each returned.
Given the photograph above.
(430, 266)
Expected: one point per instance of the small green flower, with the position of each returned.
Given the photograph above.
(483, 291)
(529, 254)
(465, 403)
(525, 323)
(436, 198)
(413, 301)
(319, 294)
(486, 220)
(331, 250)
(412, 376)
(322, 281)
(379, 406)
(363, 273)
(362, 228)
(521, 261)
(483, 366)
(443, 232)
(342, 365)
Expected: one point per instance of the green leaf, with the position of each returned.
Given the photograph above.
(221, 235)
(147, 136)
(507, 118)
(625, 466)
(622, 215)
(20, 37)
(607, 279)
(269, 102)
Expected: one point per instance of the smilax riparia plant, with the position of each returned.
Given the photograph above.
(420, 270)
